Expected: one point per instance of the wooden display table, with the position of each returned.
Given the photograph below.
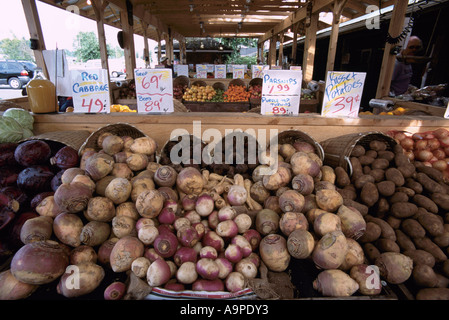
(160, 127)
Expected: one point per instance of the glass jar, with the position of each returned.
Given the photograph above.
(42, 94)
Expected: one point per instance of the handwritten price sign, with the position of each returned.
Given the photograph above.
(238, 71)
(154, 90)
(281, 92)
(342, 94)
(201, 71)
(90, 91)
(257, 70)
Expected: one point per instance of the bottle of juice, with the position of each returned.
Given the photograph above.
(41, 94)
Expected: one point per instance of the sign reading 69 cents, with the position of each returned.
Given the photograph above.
(154, 90)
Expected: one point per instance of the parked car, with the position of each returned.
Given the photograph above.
(15, 73)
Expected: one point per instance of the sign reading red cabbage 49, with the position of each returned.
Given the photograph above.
(154, 90)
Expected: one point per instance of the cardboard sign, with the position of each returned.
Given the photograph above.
(201, 71)
(342, 94)
(210, 68)
(295, 68)
(154, 90)
(181, 69)
(257, 70)
(90, 91)
(238, 71)
(220, 71)
(281, 92)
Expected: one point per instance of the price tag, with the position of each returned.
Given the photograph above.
(154, 90)
(181, 70)
(238, 71)
(281, 92)
(220, 71)
(342, 94)
(90, 91)
(257, 70)
(201, 71)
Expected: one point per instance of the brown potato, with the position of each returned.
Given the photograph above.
(404, 241)
(371, 252)
(369, 194)
(413, 228)
(399, 197)
(403, 209)
(431, 223)
(360, 181)
(421, 257)
(393, 174)
(425, 202)
(341, 177)
(372, 233)
(387, 245)
(428, 245)
(424, 276)
(387, 230)
(380, 164)
(358, 151)
(378, 174)
(433, 294)
(386, 188)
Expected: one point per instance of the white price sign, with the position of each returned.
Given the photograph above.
(342, 94)
(154, 90)
(90, 91)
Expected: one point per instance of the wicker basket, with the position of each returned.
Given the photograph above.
(165, 158)
(119, 129)
(237, 82)
(292, 135)
(181, 80)
(219, 85)
(256, 82)
(178, 106)
(74, 139)
(199, 83)
(337, 151)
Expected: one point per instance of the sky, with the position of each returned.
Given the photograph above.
(59, 26)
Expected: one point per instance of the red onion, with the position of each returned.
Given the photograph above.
(207, 268)
(212, 239)
(233, 253)
(204, 205)
(226, 213)
(165, 244)
(237, 195)
(187, 236)
(184, 254)
(32, 152)
(253, 237)
(65, 158)
(115, 291)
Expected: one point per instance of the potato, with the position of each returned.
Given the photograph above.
(393, 174)
(328, 174)
(362, 180)
(378, 145)
(404, 241)
(429, 184)
(425, 202)
(341, 177)
(380, 164)
(357, 169)
(413, 228)
(369, 194)
(442, 240)
(399, 197)
(394, 267)
(358, 151)
(387, 230)
(443, 282)
(378, 174)
(395, 223)
(383, 206)
(441, 200)
(431, 223)
(403, 209)
(424, 276)
(433, 294)
(386, 188)
(372, 233)
(408, 191)
(387, 245)
(407, 170)
(89, 276)
(363, 209)
(421, 257)
(366, 160)
(414, 185)
(371, 252)
(428, 245)
(386, 154)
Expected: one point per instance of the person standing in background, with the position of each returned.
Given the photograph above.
(403, 71)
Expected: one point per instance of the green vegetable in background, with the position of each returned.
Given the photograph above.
(22, 116)
(11, 130)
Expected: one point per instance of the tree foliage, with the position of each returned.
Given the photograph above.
(87, 47)
(16, 49)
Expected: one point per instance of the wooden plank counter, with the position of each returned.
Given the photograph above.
(160, 127)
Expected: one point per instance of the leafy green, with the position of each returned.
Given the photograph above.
(10, 130)
(22, 116)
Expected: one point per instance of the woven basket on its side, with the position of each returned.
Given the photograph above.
(292, 135)
(337, 151)
(74, 139)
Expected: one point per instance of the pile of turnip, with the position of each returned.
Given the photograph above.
(404, 203)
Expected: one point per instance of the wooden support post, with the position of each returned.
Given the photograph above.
(169, 46)
(388, 60)
(146, 49)
(281, 48)
(34, 26)
(99, 6)
(336, 14)
(159, 46)
(309, 48)
(272, 52)
(128, 41)
(295, 43)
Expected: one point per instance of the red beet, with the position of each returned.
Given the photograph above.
(32, 152)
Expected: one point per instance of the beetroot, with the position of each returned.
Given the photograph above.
(32, 152)
(8, 175)
(56, 181)
(65, 158)
(7, 154)
(35, 179)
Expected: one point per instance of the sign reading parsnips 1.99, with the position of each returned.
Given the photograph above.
(90, 91)
(342, 94)
(154, 90)
(281, 92)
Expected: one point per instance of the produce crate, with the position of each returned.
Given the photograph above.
(337, 151)
(217, 106)
(309, 105)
